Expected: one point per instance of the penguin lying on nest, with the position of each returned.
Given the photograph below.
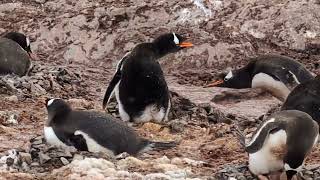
(93, 132)
(273, 73)
(281, 143)
(138, 83)
(305, 97)
(15, 54)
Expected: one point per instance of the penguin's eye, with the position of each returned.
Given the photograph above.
(228, 76)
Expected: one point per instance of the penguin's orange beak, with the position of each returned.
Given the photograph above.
(213, 84)
(185, 44)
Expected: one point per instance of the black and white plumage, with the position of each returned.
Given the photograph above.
(139, 84)
(15, 54)
(305, 97)
(93, 131)
(273, 73)
(282, 142)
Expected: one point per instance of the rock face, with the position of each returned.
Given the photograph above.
(13, 59)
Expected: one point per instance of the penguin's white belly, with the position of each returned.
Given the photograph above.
(123, 114)
(52, 138)
(92, 145)
(151, 112)
(277, 88)
(270, 157)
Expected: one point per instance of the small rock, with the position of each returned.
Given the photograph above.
(177, 161)
(122, 155)
(34, 164)
(43, 158)
(163, 160)
(12, 98)
(25, 157)
(77, 157)
(9, 161)
(64, 161)
(128, 162)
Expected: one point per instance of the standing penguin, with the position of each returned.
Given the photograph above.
(93, 131)
(139, 85)
(305, 97)
(273, 73)
(282, 142)
(15, 54)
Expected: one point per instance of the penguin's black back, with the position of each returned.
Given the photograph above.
(104, 129)
(279, 66)
(301, 132)
(305, 97)
(142, 82)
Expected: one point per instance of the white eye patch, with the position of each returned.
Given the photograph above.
(175, 39)
(228, 76)
(28, 42)
(51, 101)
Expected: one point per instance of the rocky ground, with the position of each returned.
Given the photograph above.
(78, 44)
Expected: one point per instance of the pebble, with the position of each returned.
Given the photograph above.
(64, 161)
(43, 158)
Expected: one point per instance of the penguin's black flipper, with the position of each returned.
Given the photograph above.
(116, 78)
(261, 134)
(79, 142)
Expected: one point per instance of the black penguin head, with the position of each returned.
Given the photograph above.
(57, 107)
(170, 43)
(237, 79)
(22, 40)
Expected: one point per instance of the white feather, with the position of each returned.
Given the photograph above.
(295, 77)
(259, 131)
(175, 39)
(264, 161)
(264, 81)
(50, 102)
(28, 41)
(92, 145)
(52, 138)
(228, 76)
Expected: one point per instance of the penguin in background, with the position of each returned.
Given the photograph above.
(273, 73)
(281, 143)
(15, 54)
(93, 131)
(305, 97)
(139, 84)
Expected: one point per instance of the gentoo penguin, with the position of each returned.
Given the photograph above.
(15, 54)
(305, 97)
(274, 73)
(93, 131)
(138, 83)
(282, 142)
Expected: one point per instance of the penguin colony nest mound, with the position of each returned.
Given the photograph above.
(44, 80)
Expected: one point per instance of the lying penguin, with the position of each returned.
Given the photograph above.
(282, 142)
(274, 73)
(15, 54)
(305, 97)
(93, 132)
(139, 85)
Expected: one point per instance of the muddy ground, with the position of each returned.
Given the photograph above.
(78, 44)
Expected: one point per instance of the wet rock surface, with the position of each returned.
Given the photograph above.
(78, 44)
